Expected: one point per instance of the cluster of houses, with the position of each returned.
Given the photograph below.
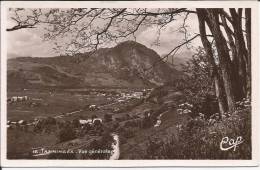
(18, 99)
(84, 122)
(93, 107)
(136, 95)
(16, 124)
(127, 96)
(46, 121)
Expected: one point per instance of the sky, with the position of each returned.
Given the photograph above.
(29, 42)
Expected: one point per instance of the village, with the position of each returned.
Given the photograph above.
(79, 129)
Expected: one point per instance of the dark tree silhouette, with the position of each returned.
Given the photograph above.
(233, 81)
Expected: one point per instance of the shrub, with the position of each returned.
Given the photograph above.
(45, 124)
(75, 123)
(50, 121)
(130, 123)
(112, 126)
(104, 143)
(108, 117)
(128, 132)
(66, 133)
(200, 138)
(148, 121)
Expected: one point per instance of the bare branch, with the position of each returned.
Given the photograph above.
(174, 51)
(18, 27)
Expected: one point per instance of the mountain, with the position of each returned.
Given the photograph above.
(129, 64)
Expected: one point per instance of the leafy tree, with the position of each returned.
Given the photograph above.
(197, 84)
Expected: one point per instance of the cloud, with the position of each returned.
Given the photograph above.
(170, 36)
(28, 42)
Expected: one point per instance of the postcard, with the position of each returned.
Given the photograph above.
(129, 84)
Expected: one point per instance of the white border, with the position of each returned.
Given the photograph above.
(134, 163)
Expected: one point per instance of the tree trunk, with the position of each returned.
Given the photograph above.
(241, 48)
(236, 85)
(219, 90)
(223, 55)
(248, 40)
(222, 103)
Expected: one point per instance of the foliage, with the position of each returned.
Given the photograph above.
(45, 124)
(112, 126)
(75, 123)
(108, 117)
(199, 138)
(197, 85)
(104, 143)
(127, 132)
(66, 133)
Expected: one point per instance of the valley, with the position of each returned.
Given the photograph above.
(127, 107)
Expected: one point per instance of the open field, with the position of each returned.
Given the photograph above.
(48, 103)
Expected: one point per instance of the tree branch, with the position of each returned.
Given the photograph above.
(174, 50)
(18, 27)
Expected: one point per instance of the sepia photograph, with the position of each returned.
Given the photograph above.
(121, 82)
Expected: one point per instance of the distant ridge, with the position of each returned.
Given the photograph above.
(124, 65)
